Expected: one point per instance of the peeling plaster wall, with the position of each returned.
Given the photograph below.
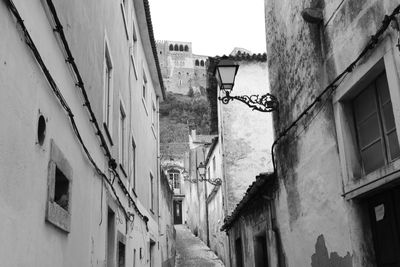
(27, 239)
(246, 135)
(318, 227)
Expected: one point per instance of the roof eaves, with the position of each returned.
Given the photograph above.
(153, 44)
(251, 192)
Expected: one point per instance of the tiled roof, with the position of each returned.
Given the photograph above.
(255, 188)
(239, 56)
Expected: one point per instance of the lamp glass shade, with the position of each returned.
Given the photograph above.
(225, 73)
(201, 169)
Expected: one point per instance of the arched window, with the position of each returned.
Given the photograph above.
(186, 48)
(196, 62)
(202, 63)
(181, 48)
(176, 48)
(171, 47)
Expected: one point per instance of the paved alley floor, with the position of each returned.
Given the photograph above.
(191, 251)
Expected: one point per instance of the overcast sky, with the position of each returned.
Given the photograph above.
(214, 27)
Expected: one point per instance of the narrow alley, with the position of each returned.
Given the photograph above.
(191, 251)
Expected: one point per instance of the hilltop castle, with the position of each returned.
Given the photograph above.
(180, 68)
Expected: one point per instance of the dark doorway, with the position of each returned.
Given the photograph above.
(177, 212)
(110, 237)
(238, 252)
(260, 251)
(384, 210)
(152, 252)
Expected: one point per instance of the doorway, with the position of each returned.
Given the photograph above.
(384, 211)
(177, 212)
(260, 251)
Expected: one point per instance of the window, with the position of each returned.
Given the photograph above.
(124, 10)
(134, 48)
(122, 138)
(197, 62)
(374, 122)
(154, 117)
(152, 193)
(134, 257)
(186, 48)
(174, 179)
(58, 210)
(144, 92)
(121, 250)
(176, 47)
(133, 165)
(181, 48)
(61, 190)
(108, 91)
(171, 47)
(366, 107)
(202, 63)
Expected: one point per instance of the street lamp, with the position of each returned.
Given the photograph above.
(201, 169)
(225, 73)
(202, 172)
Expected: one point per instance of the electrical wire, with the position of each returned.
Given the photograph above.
(336, 82)
(64, 104)
(80, 84)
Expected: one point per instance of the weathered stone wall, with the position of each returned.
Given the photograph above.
(179, 70)
(255, 221)
(246, 135)
(302, 59)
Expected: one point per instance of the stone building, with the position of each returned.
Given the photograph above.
(80, 176)
(181, 69)
(174, 171)
(334, 67)
(218, 240)
(197, 190)
(167, 230)
(245, 135)
(238, 152)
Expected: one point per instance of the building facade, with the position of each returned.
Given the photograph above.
(245, 135)
(182, 70)
(332, 201)
(80, 145)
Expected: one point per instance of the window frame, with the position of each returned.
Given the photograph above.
(108, 90)
(144, 91)
(124, 11)
(133, 165)
(55, 214)
(134, 48)
(355, 182)
(122, 137)
(152, 193)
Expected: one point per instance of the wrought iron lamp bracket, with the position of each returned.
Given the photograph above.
(263, 103)
(216, 181)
